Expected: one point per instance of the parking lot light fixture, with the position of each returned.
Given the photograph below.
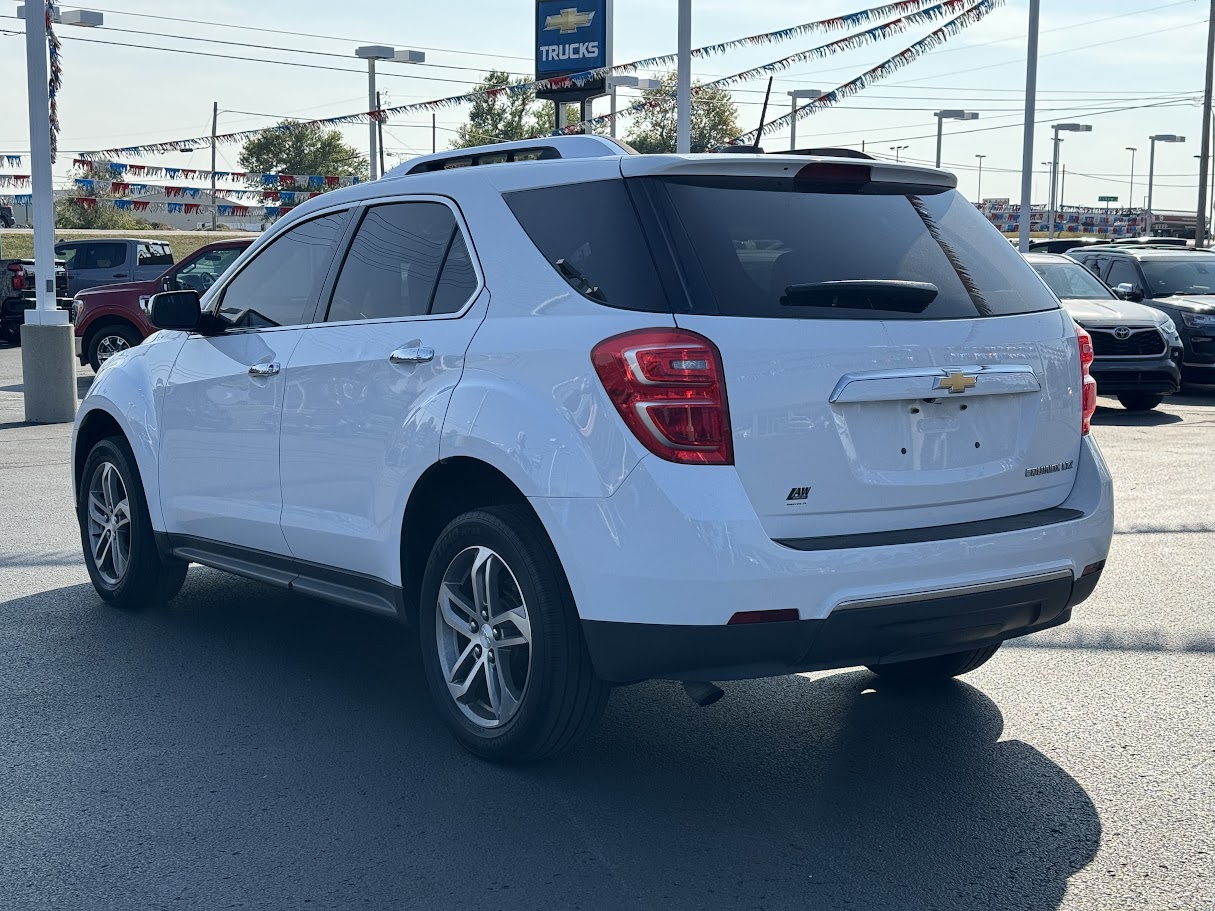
(897, 150)
(1054, 166)
(640, 83)
(47, 359)
(794, 97)
(941, 117)
(979, 191)
(1159, 137)
(371, 53)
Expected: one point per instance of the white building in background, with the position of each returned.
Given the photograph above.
(193, 221)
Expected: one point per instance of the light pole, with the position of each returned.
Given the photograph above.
(1054, 163)
(795, 96)
(47, 353)
(897, 149)
(1159, 137)
(371, 53)
(1130, 199)
(941, 117)
(979, 192)
(630, 82)
(683, 81)
(1027, 140)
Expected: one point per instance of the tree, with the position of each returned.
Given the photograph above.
(504, 117)
(301, 149)
(714, 119)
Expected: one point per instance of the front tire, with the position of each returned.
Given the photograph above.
(107, 341)
(502, 643)
(116, 534)
(1140, 401)
(941, 667)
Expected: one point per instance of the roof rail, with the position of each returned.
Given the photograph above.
(546, 148)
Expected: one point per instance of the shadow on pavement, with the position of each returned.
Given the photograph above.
(248, 747)
(1120, 417)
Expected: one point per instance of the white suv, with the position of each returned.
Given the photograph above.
(588, 417)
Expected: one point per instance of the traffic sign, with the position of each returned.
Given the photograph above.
(1107, 199)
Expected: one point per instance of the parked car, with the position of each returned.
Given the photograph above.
(113, 318)
(17, 294)
(547, 410)
(1179, 283)
(6, 217)
(1148, 240)
(1136, 349)
(1061, 245)
(105, 261)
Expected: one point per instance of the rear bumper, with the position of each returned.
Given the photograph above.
(659, 568)
(1151, 375)
(851, 635)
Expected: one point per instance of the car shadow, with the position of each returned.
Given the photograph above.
(1120, 417)
(244, 746)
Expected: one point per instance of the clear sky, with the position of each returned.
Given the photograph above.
(1131, 68)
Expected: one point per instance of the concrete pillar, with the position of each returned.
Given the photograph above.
(50, 391)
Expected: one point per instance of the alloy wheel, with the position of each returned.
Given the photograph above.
(109, 523)
(484, 636)
(110, 345)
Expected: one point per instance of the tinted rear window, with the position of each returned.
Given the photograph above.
(750, 246)
(590, 233)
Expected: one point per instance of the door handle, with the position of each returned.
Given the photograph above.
(264, 370)
(120, 275)
(412, 355)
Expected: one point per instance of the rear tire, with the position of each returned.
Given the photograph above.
(1140, 401)
(107, 341)
(941, 667)
(116, 534)
(502, 642)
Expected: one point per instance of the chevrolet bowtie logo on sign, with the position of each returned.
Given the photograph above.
(956, 382)
(568, 21)
(572, 38)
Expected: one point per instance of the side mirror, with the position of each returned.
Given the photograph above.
(1128, 292)
(179, 310)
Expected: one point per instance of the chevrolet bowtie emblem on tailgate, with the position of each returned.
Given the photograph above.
(568, 21)
(956, 382)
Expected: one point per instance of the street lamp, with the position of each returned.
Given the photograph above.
(897, 149)
(371, 53)
(1054, 164)
(980, 190)
(941, 117)
(1130, 199)
(795, 96)
(47, 355)
(629, 82)
(1159, 137)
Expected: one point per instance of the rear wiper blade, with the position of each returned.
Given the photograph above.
(578, 280)
(866, 294)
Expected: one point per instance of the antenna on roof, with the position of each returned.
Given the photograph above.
(763, 116)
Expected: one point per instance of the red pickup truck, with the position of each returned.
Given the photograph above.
(112, 318)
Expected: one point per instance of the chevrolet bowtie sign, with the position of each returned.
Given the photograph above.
(572, 37)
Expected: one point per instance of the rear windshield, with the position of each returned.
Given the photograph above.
(768, 253)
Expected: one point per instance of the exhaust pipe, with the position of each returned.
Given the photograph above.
(702, 692)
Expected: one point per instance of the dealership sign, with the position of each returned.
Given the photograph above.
(573, 36)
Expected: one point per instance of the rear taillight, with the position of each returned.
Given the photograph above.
(18, 277)
(669, 386)
(1088, 388)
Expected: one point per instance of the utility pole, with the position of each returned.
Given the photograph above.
(1027, 148)
(434, 135)
(379, 126)
(1200, 224)
(683, 80)
(214, 133)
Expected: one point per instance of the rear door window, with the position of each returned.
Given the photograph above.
(760, 251)
(101, 255)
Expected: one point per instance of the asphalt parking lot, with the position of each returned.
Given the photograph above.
(249, 749)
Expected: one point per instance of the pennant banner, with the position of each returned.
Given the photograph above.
(837, 23)
(119, 169)
(974, 14)
(14, 180)
(55, 83)
(13, 161)
(124, 188)
(894, 27)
